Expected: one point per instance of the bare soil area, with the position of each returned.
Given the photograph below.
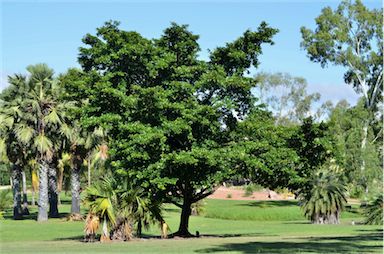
(236, 193)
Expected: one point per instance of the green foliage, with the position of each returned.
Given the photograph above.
(167, 113)
(374, 211)
(350, 36)
(326, 198)
(117, 201)
(345, 125)
(261, 152)
(4, 174)
(99, 199)
(5, 201)
(313, 146)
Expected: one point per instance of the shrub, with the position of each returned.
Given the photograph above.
(250, 188)
(374, 211)
(5, 201)
(198, 208)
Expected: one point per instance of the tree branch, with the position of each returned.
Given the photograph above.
(202, 195)
(375, 89)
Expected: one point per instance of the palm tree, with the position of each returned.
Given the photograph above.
(325, 200)
(43, 117)
(86, 147)
(99, 199)
(11, 151)
(130, 206)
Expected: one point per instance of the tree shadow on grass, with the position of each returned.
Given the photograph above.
(271, 203)
(32, 216)
(234, 235)
(78, 238)
(340, 244)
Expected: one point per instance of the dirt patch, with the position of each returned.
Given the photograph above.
(236, 193)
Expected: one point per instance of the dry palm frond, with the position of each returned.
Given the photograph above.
(75, 217)
(92, 223)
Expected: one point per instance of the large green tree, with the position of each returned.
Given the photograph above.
(351, 36)
(166, 111)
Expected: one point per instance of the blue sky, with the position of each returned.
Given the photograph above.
(51, 32)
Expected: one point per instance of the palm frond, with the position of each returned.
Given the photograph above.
(43, 144)
(24, 133)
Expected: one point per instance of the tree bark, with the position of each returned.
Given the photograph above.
(363, 147)
(89, 171)
(16, 177)
(52, 190)
(25, 198)
(75, 188)
(139, 228)
(60, 185)
(43, 191)
(184, 219)
(33, 202)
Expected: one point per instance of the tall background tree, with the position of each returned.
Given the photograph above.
(286, 96)
(351, 36)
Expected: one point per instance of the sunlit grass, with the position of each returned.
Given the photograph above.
(250, 230)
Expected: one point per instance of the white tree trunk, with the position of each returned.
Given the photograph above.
(43, 191)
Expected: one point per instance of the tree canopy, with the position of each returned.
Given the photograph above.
(167, 112)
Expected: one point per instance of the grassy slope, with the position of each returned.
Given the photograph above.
(257, 234)
(259, 210)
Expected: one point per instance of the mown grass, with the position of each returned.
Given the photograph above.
(286, 210)
(247, 234)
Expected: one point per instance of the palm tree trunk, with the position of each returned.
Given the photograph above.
(25, 198)
(43, 191)
(60, 185)
(363, 147)
(33, 202)
(52, 190)
(89, 171)
(16, 175)
(139, 228)
(75, 188)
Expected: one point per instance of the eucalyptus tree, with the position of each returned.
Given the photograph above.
(351, 36)
(167, 112)
(286, 96)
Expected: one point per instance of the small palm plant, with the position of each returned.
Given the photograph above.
(325, 198)
(100, 198)
(374, 211)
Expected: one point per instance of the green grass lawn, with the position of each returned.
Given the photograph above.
(228, 226)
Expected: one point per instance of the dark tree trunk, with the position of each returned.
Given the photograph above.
(43, 191)
(75, 187)
(184, 219)
(16, 178)
(139, 228)
(25, 198)
(52, 190)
